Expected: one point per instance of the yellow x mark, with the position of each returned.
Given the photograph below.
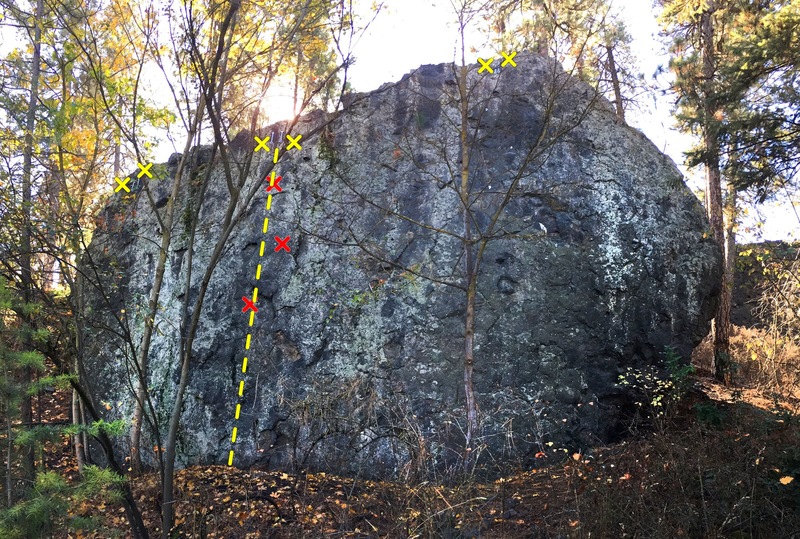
(122, 185)
(293, 142)
(509, 59)
(486, 65)
(262, 144)
(145, 169)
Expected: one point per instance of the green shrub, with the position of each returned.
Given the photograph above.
(655, 392)
(708, 414)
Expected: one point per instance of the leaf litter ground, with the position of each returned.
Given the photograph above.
(689, 479)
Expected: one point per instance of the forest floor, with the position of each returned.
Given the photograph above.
(723, 464)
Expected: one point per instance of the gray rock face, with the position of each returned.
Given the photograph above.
(599, 260)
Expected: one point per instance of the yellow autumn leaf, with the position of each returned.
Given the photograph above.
(786, 479)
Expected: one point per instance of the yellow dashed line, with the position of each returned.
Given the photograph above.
(252, 312)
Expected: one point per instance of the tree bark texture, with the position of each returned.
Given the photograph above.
(26, 279)
(470, 274)
(612, 69)
(721, 324)
(726, 298)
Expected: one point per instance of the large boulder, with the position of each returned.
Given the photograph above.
(600, 260)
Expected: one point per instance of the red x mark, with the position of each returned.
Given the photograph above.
(275, 185)
(283, 244)
(248, 305)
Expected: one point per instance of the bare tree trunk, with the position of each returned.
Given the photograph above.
(77, 439)
(138, 529)
(227, 26)
(80, 440)
(84, 435)
(170, 446)
(469, 364)
(25, 233)
(152, 309)
(726, 298)
(612, 69)
(155, 294)
(9, 454)
(296, 79)
(469, 269)
(117, 145)
(721, 325)
(223, 65)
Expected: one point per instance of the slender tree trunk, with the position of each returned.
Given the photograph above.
(223, 65)
(469, 364)
(167, 493)
(726, 298)
(77, 439)
(155, 294)
(9, 453)
(26, 232)
(721, 325)
(612, 69)
(166, 239)
(152, 309)
(469, 268)
(138, 529)
(87, 457)
(170, 446)
(296, 88)
(118, 144)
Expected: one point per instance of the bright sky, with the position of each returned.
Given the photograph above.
(416, 32)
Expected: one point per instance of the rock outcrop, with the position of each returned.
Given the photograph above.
(600, 259)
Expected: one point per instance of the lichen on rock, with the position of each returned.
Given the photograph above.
(356, 361)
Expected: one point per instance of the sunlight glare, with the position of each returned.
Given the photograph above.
(278, 105)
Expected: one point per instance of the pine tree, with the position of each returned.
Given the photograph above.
(763, 136)
(18, 362)
(708, 94)
(586, 36)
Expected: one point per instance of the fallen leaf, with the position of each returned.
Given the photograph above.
(786, 479)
